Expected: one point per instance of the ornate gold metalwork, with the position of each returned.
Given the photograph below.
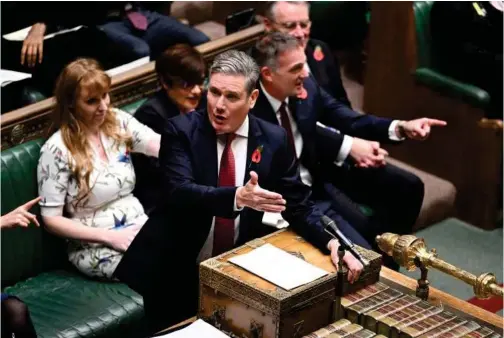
(404, 250)
(16, 135)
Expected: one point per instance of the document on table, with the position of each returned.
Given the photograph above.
(197, 329)
(278, 267)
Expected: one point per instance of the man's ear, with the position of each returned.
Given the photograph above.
(268, 25)
(253, 98)
(266, 74)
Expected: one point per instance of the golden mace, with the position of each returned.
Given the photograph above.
(409, 250)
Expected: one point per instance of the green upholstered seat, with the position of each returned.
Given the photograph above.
(426, 73)
(132, 107)
(64, 304)
(61, 301)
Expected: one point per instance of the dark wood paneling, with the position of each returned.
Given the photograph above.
(464, 153)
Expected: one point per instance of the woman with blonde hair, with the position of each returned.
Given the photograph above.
(85, 174)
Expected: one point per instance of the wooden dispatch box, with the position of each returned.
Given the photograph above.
(245, 305)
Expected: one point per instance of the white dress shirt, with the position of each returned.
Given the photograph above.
(298, 139)
(239, 147)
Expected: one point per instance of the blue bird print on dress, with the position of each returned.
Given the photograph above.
(119, 223)
(124, 158)
(104, 260)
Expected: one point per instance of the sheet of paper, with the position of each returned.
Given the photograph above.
(278, 267)
(274, 219)
(128, 66)
(198, 329)
(8, 76)
(21, 34)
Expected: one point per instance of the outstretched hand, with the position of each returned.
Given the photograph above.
(253, 196)
(20, 216)
(420, 129)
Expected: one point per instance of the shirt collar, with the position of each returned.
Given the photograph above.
(244, 128)
(273, 102)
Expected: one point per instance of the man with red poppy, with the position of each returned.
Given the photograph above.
(293, 18)
(223, 168)
(339, 178)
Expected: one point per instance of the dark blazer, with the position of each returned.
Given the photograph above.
(188, 158)
(326, 71)
(154, 113)
(321, 145)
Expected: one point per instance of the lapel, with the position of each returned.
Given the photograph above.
(263, 108)
(255, 139)
(312, 63)
(206, 148)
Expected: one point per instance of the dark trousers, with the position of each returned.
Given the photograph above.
(171, 301)
(393, 195)
(57, 53)
(160, 264)
(162, 31)
(16, 320)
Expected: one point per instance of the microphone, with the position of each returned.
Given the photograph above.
(332, 229)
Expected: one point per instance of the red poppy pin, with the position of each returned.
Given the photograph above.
(256, 155)
(318, 54)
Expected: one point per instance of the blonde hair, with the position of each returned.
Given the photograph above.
(79, 74)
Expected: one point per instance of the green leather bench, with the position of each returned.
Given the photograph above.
(426, 73)
(62, 302)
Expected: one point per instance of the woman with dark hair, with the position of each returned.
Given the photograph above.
(85, 175)
(181, 71)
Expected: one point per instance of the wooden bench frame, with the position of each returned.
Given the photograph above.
(33, 121)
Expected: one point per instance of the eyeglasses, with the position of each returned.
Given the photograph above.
(291, 25)
(178, 82)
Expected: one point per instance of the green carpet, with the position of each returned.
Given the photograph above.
(464, 246)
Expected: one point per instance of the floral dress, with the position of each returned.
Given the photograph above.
(109, 204)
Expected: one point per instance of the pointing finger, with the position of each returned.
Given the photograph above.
(434, 122)
(29, 204)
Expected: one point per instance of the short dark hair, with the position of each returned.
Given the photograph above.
(181, 61)
(266, 50)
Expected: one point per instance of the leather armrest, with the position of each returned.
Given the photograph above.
(454, 88)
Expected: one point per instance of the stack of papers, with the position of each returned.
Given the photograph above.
(8, 76)
(278, 267)
(198, 329)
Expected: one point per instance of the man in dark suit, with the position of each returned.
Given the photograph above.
(342, 169)
(292, 17)
(223, 169)
(181, 71)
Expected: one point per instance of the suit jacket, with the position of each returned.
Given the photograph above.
(326, 71)
(188, 158)
(321, 145)
(154, 113)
